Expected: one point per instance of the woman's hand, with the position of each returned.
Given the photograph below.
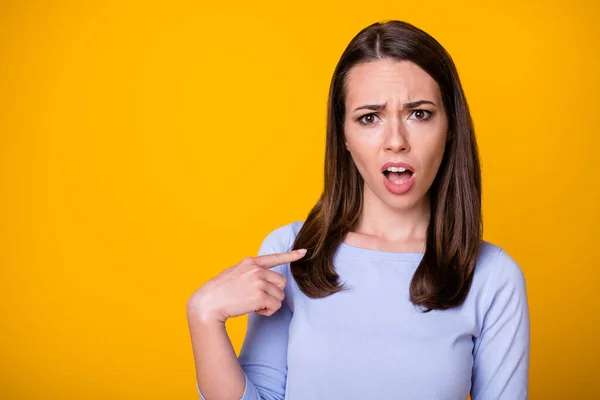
(247, 286)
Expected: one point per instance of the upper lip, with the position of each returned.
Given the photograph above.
(397, 164)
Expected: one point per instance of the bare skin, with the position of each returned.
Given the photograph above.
(245, 287)
(412, 134)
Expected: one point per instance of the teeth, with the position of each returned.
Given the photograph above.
(396, 169)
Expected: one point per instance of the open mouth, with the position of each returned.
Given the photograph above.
(398, 175)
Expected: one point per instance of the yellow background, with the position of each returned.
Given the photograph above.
(144, 147)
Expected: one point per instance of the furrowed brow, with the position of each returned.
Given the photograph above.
(379, 107)
(372, 107)
(417, 103)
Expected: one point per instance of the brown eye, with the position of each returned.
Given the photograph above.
(368, 119)
(422, 115)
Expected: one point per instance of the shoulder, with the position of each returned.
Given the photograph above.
(280, 239)
(498, 278)
(495, 264)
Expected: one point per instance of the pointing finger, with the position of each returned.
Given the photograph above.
(275, 259)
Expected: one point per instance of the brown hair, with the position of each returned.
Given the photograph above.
(444, 275)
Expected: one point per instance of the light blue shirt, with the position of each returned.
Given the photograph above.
(371, 343)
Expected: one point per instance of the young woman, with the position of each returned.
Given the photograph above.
(387, 290)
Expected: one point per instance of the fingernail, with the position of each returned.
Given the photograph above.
(301, 251)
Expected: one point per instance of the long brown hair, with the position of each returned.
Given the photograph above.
(444, 275)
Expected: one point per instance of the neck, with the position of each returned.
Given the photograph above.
(394, 225)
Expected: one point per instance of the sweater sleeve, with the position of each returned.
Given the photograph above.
(263, 356)
(501, 352)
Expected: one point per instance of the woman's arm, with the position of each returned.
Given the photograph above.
(501, 352)
(261, 369)
(218, 371)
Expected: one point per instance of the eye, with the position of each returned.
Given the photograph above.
(368, 119)
(421, 116)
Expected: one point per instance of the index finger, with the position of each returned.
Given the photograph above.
(275, 259)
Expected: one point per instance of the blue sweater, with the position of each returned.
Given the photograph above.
(372, 343)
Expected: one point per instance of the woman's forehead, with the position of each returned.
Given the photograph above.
(381, 80)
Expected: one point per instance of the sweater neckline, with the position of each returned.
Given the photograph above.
(379, 254)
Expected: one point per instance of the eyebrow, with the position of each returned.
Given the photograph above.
(379, 107)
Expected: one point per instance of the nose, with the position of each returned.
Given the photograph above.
(396, 139)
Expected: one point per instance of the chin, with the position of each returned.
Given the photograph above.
(402, 204)
(398, 202)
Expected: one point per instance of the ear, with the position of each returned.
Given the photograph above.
(449, 135)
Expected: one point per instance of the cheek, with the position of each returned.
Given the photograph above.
(360, 158)
(363, 161)
(363, 149)
(433, 159)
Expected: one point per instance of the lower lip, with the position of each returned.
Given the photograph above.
(398, 189)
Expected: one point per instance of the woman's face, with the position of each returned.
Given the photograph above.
(394, 114)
